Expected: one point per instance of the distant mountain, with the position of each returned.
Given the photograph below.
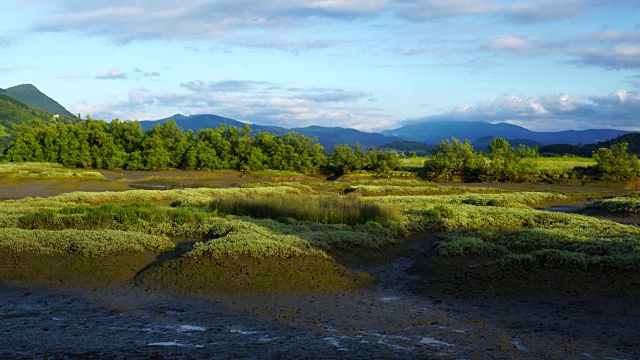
(30, 95)
(633, 139)
(327, 136)
(436, 131)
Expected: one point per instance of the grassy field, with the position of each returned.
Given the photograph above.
(563, 163)
(274, 222)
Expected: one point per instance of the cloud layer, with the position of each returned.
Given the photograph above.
(619, 110)
(254, 101)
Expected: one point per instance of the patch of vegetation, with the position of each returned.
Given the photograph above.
(85, 243)
(27, 170)
(319, 209)
(625, 205)
(572, 241)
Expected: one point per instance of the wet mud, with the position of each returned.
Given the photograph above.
(416, 310)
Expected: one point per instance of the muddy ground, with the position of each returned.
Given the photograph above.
(405, 315)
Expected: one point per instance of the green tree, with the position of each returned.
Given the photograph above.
(616, 163)
(507, 163)
(455, 159)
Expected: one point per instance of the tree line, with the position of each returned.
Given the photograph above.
(124, 145)
(457, 160)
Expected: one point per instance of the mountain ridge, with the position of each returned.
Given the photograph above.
(30, 95)
(436, 131)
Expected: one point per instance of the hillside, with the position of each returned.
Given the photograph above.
(633, 139)
(405, 146)
(30, 95)
(328, 137)
(482, 144)
(14, 113)
(436, 131)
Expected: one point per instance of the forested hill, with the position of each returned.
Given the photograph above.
(30, 95)
(633, 139)
(14, 114)
(327, 136)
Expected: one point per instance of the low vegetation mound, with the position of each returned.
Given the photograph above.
(252, 275)
(84, 243)
(628, 205)
(43, 171)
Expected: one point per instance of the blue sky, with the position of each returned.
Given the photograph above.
(367, 64)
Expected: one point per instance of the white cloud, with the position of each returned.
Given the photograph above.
(253, 101)
(507, 43)
(608, 49)
(620, 110)
(113, 74)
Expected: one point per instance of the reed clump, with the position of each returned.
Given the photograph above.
(332, 209)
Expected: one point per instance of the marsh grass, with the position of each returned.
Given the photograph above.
(44, 171)
(624, 205)
(85, 243)
(288, 219)
(105, 216)
(539, 239)
(157, 196)
(259, 238)
(332, 209)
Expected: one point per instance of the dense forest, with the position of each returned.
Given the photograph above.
(123, 144)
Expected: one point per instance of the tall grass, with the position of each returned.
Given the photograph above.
(319, 209)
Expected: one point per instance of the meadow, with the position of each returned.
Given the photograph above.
(269, 223)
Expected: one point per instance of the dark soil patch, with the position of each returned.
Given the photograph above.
(472, 277)
(71, 270)
(250, 275)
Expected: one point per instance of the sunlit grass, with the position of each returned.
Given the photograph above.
(85, 243)
(564, 163)
(27, 170)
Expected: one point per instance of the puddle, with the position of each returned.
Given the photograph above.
(335, 342)
(432, 341)
(518, 344)
(186, 328)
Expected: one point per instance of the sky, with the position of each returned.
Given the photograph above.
(366, 64)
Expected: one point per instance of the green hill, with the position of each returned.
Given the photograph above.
(633, 139)
(14, 113)
(33, 97)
